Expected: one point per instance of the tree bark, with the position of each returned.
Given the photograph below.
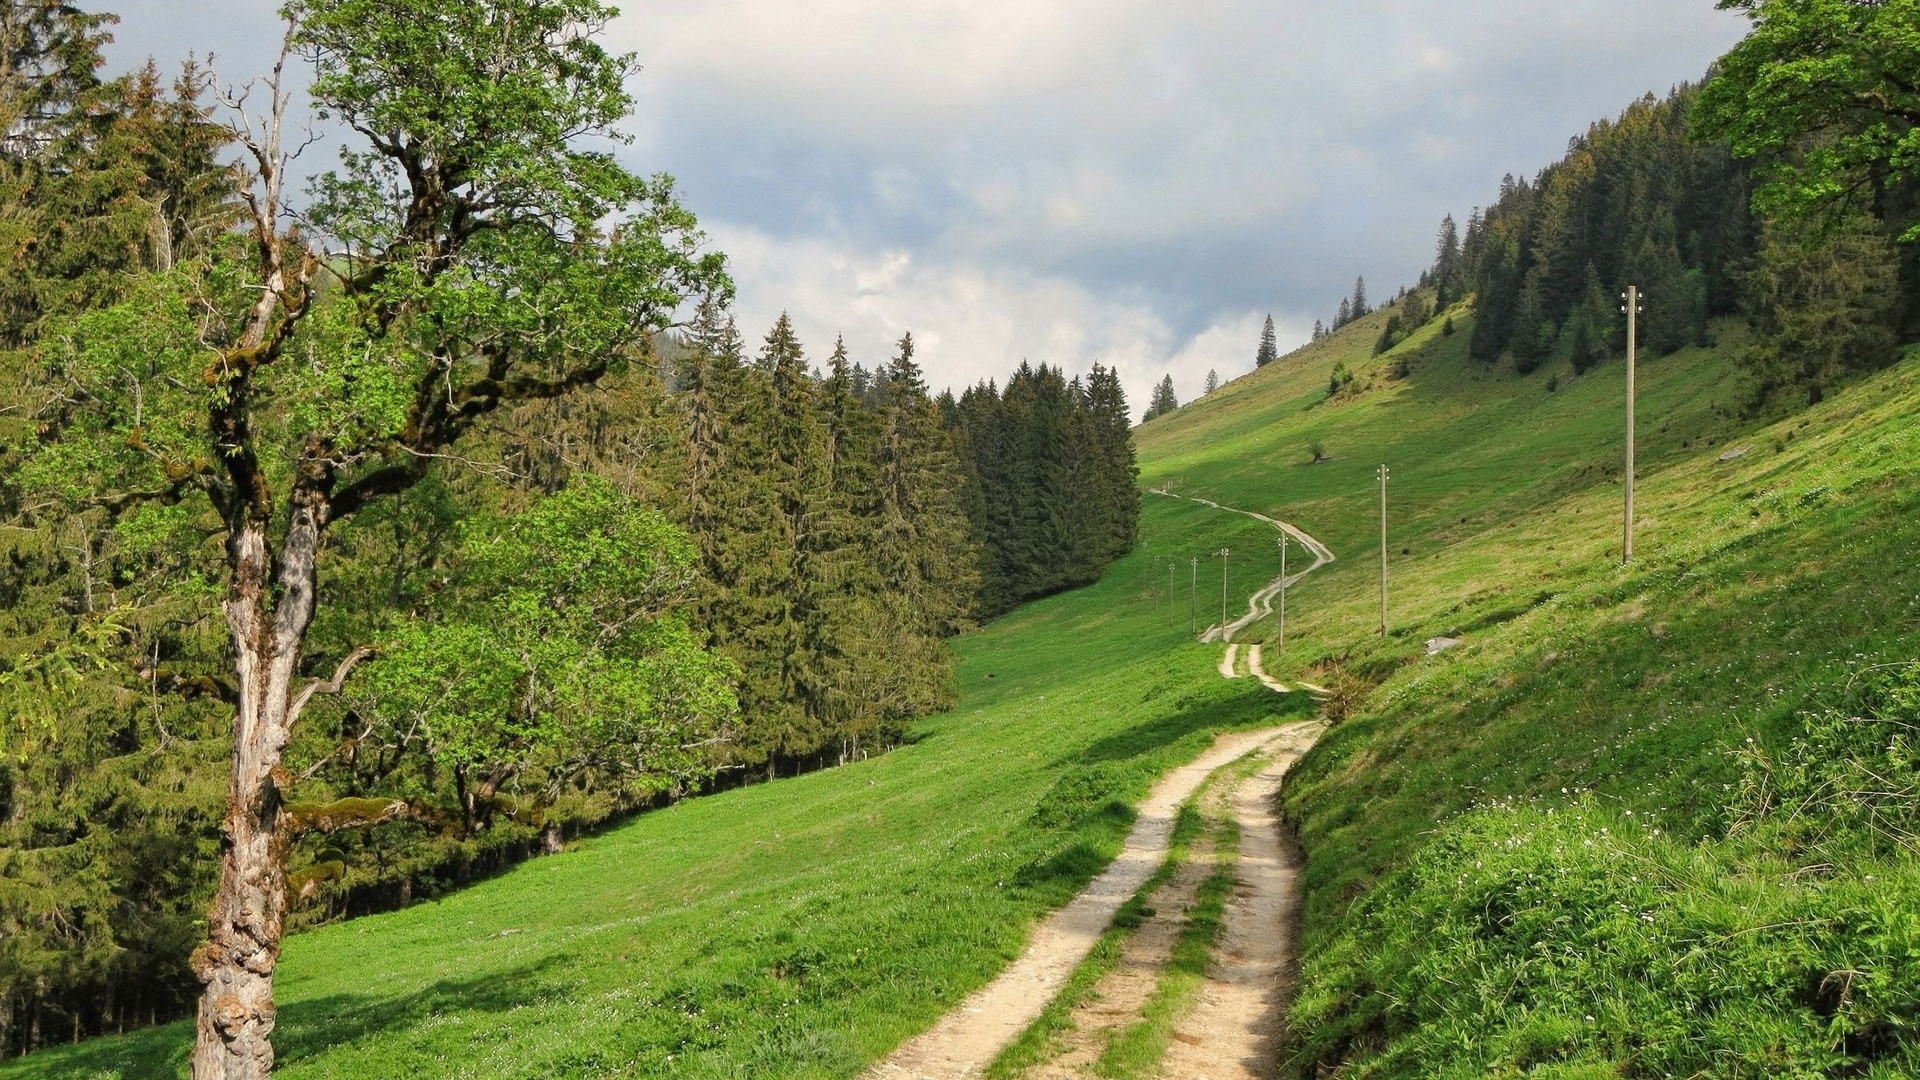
(236, 1014)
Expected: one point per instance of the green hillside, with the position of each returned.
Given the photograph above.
(794, 929)
(803, 928)
(1742, 684)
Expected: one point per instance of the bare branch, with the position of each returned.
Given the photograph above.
(329, 686)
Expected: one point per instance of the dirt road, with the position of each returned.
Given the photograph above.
(962, 1043)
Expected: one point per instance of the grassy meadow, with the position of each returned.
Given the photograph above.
(1625, 735)
(797, 929)
(803, 928)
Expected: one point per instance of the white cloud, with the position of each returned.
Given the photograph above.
(971, 324)
(1072, 179)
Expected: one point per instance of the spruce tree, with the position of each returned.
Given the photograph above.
(1118, 476)
(1212, 383)
(1447, 270)
(1163, 400)
(920, 544)
(1269, 348)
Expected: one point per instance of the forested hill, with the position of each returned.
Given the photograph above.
(1656, 200)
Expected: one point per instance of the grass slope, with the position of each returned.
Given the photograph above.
(798, 929)
(1775, 565)
(801, 929)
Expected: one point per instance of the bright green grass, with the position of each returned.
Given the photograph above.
(801, 929)
(797, 929)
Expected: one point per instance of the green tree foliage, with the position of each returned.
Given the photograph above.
(1269, 350)
(829, 516)
(558, 659)
(1824, 300)
(1163, 400)
(1635, 201)
(1051, 462)
(1823, 93)
(1212, 383)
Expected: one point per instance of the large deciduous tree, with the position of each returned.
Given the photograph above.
(480, 248)
(1827, 93)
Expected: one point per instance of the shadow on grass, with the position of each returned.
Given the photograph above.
(305, 1029)
(1091, 804)
(1230, 705)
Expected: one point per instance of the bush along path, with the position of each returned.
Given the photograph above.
(965, 1040)
(1191, 980)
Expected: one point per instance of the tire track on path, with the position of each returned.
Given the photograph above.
(1234, 1029)
(968, 1037)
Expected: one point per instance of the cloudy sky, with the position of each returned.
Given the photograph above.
(1128, 181)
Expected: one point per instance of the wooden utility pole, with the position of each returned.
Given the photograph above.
(1383, 551)
(1281, 644)
(1223, 594)
(1633, 311)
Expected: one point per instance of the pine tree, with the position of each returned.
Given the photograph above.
(1212, 383)
(1117, 475)
(920, 545)
(1163, 401)
(1319, 330)
(1345, 314)
(1359, 308)
(1447, 270)
(771, 625)
(1269, 349)
(1826, 302)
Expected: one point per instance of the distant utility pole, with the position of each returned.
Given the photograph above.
(1632, 308)
(1281, 644)
(1383, 551)
(1193, 599)
(1223, 594)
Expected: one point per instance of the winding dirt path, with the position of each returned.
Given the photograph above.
(969, 1036)
(1254, 669)
(1260, 604)
(1233, 1032)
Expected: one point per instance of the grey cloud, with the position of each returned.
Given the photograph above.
(1189, 166)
